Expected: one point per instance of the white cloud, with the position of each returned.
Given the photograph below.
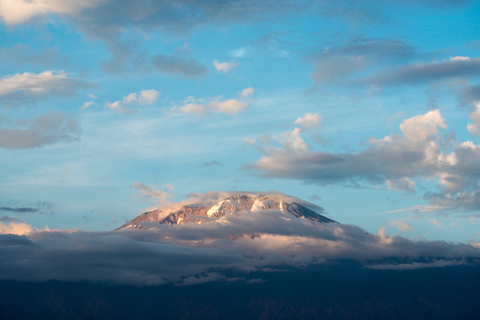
(458, 58)
(401, 225)
(132, 97)
(309, 121)
(231, 107)
(86, 105)
(129, 103)
(148, 97)
(13, 12)
(246, 92)
(15, 227)
(474, 128)
(224, 66)
(41, 84)
(435, 222)
(194, 108)
(199, 106)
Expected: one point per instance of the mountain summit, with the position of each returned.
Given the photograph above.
(218, 206)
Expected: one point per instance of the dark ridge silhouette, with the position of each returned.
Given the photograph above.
(337, 291)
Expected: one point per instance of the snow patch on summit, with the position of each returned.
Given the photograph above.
(214, 209)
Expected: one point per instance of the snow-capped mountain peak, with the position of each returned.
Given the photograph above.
(217, 205)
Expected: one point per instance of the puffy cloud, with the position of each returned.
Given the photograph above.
(397, 160)
(15, 227)
(13, 12)
(39, 85)
(187, 67)
(224, 66)
(37, 132)
(309, 121)
(198, 106)
(246, 92)
(474, 127)
(148, 97)
(401, 225)
(129, 104)
(231, 107)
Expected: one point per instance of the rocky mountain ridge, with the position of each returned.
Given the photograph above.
(215, 206)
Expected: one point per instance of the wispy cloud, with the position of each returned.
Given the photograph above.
(424, 72)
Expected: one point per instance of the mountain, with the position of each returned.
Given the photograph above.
(215, 206)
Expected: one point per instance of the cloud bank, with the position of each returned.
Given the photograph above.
(173, 253)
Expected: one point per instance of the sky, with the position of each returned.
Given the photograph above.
(370, 110)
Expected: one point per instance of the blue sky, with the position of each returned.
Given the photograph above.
(369, 110)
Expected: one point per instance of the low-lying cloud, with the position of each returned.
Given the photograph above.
(172, 253)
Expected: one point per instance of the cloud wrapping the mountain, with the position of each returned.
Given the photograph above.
(172, 253)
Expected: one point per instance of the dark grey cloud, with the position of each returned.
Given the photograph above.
(468, 94)
(342, 63)
(426, 72)
(19, 209)
(6, 219)
(22, 54)
(187, 67)
(211, 164)
(40, 131)
(385, 49)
